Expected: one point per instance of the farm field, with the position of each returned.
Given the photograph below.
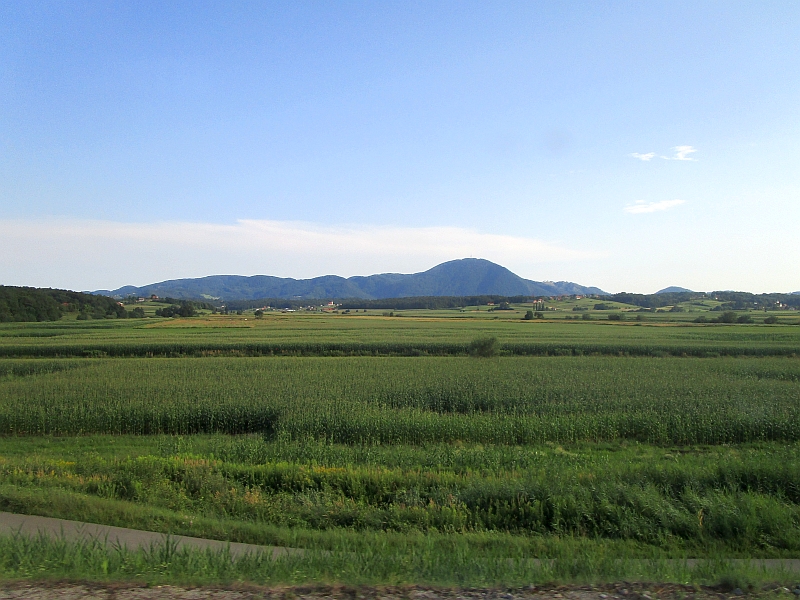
(577, 451)
(365, 334)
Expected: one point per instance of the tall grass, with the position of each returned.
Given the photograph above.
(425, 563)
(746, 499)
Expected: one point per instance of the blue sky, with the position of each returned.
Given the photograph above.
(627, 145)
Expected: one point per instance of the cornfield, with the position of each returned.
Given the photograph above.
(513, 400)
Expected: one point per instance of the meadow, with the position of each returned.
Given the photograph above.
(391, 454)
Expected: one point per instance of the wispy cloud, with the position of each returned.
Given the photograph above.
(682, 152)
(640, 206)
(87, 254)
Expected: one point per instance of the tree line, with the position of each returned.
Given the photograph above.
(20, 304)
(730, 300)
(45, 304)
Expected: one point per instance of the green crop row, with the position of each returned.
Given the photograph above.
(514, 400)
(311, 349)
(342, 336)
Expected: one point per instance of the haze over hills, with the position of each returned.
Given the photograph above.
(464, 277)
(674, 289)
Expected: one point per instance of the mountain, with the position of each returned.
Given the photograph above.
(465, 277)
(673, 289)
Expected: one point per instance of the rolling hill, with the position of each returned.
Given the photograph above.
(465, 277)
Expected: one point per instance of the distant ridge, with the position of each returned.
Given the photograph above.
(674, 289)
(464, 277)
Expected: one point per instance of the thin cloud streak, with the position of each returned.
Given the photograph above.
(87, 254)
(682, 152)
(642, 207)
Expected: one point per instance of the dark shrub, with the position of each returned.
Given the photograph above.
(484, 347)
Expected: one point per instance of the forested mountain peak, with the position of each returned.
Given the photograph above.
(467, 276)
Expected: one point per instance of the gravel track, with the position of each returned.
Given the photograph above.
(627, 591)
(31, 525)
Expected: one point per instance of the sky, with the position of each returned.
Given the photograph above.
(625, 145)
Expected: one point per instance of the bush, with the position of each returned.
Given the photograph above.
(586, 317)
(528, 316)
(744, 319)
(771, 320)
(728, 317)
(137, 313)
(484, 347)
(615, 317)
(538, 315)
(184, 309)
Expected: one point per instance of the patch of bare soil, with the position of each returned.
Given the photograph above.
(627, 591)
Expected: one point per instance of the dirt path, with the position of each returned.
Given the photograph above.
(628, 591)
(131, 538)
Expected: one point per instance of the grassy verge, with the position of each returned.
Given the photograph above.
(41, 557)
(629, 501)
